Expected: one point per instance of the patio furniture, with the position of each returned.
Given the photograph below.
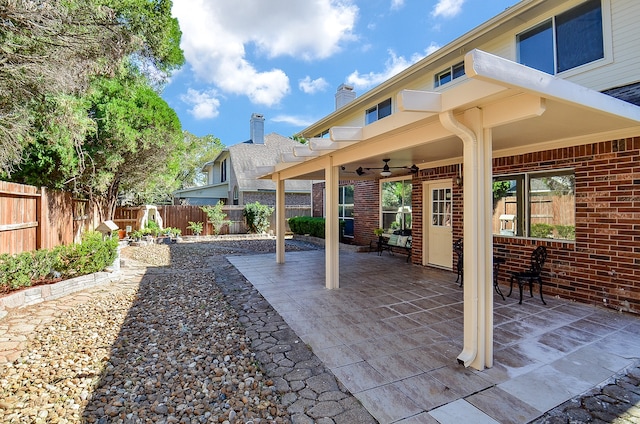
(538, 258)
(457, 248)
(399, 241)
(497, 261)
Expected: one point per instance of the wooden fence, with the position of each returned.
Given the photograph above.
(176, 216)
(33, 218)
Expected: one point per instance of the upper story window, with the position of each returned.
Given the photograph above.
(377, 112)
(449, 74)
(323, 134)
(223, 171)
(565, 41)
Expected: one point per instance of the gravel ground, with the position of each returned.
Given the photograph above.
(167, 348)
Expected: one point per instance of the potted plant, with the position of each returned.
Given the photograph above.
(195, 227)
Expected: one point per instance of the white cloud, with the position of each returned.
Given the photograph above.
(397, 4)
(217, 33)
(447, 8)
(205, 103)
(294, 120)
(312, 86)
(393, 66)
(432, 48)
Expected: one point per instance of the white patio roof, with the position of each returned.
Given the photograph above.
(500, 108)
(526, 110)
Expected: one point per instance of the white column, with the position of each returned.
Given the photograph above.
(280, 220)
(331, 226)
(478, 243)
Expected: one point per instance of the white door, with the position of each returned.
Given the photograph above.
(438, 217)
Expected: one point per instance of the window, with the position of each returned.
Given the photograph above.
(323, 134)
(395, 200)
(448, 75)
(223, 171)
(566, 41)
(235, 195)
(377, 112)
(345, 208)
(441, 202)
(535, 205)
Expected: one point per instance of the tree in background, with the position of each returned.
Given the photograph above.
(198, 151)
(79, 107)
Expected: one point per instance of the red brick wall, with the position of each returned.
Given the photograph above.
(602, 266)
(318, 200)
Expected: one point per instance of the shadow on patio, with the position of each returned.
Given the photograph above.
(392, 332)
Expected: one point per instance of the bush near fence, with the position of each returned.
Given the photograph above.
(25, 269)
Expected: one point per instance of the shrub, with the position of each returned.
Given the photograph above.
(567, 232)
(257, 217)
(541, 230)
(313, 226)
(216, 216)
(195, 227)
(92, 255)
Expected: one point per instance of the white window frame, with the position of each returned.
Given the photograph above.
(607, 40)
(449, 71)
(376, 109)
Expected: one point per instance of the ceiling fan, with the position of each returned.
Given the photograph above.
(386, 169)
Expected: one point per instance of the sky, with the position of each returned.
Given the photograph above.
(285, 59)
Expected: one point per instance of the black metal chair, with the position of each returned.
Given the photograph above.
(457, 248)
(533, 274)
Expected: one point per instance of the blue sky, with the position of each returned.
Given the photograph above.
(286, 58)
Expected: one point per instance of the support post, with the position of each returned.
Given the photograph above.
(280, 220)
(331, 226)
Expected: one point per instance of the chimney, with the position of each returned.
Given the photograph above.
(257, 128)
(344, 95)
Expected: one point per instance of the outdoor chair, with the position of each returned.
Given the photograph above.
(533, 274)
(457, 248)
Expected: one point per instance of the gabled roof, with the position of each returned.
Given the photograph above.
(246, 157)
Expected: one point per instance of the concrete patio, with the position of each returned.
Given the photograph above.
(392, 332)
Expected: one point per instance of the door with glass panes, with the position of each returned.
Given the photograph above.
(438, 224)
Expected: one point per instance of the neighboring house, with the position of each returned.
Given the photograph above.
(510, 120)
(231, 176)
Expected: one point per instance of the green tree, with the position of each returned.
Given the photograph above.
(137, 146)
(55, 47)
(198, 151)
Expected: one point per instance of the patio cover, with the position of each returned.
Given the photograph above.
(500, 108)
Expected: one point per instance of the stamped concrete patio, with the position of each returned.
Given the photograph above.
(392, 332)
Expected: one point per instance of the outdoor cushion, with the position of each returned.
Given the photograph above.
(402, 241)
(393, 240)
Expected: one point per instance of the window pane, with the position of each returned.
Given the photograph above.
(508, 205)
(348, 194)
(443, 78)
(552, 206)
(579, 38)
(535, 48)
(371, 115)
(348, 211)
(384, 109)
(458, 70)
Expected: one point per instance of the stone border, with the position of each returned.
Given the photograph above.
(39, 294)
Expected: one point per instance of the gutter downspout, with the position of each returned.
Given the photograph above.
(470, 162)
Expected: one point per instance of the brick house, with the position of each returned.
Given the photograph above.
(529, 121)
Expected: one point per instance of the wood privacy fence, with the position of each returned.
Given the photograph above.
(33, 218)
(176, 216)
